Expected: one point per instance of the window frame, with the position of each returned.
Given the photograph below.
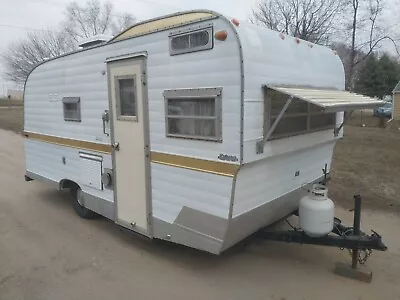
(210, 45)
(268, 116)
(193, 94)
(120, 117)
(77, 110)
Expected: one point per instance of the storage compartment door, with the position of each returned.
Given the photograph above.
(90, 171)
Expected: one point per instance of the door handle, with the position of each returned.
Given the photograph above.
(106, 118)
(115, 146)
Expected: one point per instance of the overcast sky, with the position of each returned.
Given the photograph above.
(19, 16)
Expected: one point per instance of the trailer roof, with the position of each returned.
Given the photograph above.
(330, 100)
(165, 22)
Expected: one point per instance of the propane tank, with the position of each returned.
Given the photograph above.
(317, 212)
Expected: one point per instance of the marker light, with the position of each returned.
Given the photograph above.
(221, 35)
(235, 21)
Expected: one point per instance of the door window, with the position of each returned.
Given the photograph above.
(126, 98)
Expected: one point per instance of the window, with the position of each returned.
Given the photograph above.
(191, 41)
(126, 98)
(72, 109)
(193, 113)
(300, 117)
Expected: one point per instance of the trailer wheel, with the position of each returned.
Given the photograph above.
(78, 204)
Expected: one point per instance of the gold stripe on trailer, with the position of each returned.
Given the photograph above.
(69, 142)
(196, 164)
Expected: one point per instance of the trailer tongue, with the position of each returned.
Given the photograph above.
(360, 244)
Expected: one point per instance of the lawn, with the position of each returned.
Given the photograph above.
(366, 161)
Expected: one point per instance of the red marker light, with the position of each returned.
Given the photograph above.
(297, 40)
(221, 35)
(235, 21)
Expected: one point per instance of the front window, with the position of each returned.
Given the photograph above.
(300, 117)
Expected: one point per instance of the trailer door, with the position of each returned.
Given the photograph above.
(129, 137)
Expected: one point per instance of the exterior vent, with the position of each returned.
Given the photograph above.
(95, 40)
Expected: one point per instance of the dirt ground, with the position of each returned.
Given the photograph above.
(47, 252)
(12, 118)
(367, 162)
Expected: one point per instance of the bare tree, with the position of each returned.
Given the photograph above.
(82, 21)
(20, 57)
(121, 22)
(368, 29)
(94, 17)
(311, 20)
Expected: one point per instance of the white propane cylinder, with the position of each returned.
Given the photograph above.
(317, 212)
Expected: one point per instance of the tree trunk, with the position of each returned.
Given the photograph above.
(349, 80)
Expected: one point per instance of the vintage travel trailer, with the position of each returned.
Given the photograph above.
(193, 127)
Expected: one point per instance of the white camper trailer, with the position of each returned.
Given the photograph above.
(193, 127)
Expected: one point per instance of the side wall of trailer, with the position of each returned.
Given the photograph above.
(182, 199)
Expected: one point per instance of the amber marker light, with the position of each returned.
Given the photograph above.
(221, 35)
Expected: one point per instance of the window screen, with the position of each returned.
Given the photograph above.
(300, 117)
(72, 109)
(126, 98)
(193, 116)
(191, 41)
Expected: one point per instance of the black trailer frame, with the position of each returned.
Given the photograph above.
(341, 236)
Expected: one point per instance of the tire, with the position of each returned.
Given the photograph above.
(78, 204)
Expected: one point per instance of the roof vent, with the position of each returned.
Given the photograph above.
(95, 40)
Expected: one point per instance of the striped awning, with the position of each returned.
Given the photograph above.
(328, 99)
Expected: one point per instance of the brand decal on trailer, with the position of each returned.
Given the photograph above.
(227, 157)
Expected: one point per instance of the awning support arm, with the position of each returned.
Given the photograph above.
(337, 129)
(260, 144)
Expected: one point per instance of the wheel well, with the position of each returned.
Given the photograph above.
(68, 184)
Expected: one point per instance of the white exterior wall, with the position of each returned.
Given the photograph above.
(47, 160)
(270, 60)
(262, 182)
(81, 75)
(175, 187)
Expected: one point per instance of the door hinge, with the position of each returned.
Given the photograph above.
(143, 78)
